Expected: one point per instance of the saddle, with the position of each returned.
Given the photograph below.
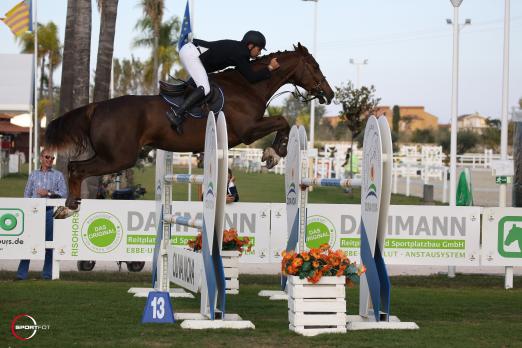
(175, 90)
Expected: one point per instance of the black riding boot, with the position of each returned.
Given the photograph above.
(177, 116)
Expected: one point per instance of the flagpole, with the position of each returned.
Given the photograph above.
(35, 84)
(192, 11)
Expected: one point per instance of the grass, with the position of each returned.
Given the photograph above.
(264, 187)
(253, 187)
(94, 309)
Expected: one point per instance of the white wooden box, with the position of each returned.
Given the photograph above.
(231, 264)
(317, 308)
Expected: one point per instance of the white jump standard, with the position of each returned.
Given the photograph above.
(197, 271)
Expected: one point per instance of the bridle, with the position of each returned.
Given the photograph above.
(315, 92)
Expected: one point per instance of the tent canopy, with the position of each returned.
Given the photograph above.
(16, 76)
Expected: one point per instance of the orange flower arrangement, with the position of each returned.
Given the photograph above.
(231, 241)
(319, 262)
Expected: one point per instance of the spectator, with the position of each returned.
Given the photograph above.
(44, 183)
(232, 194)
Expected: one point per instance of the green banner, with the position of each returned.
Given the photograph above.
(395, 243)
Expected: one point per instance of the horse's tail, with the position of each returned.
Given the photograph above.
(70, 130)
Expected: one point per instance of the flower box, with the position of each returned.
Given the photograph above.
(231, 265)
(316, 308)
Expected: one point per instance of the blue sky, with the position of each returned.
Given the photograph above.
(407, 43)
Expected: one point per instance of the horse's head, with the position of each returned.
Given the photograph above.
(308, 75)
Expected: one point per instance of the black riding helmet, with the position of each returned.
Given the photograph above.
(254, 37)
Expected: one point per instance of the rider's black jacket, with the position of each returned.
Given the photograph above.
(224, 53)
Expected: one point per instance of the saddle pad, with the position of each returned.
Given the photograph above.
(215, 103)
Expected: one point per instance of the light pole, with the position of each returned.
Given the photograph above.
(454, 108)
(358, 67)
(312, 103)
(508, 277)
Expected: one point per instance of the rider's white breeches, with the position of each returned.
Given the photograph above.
(189, 57)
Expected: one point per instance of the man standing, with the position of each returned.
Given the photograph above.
(44, 183)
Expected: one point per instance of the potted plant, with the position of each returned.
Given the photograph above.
(316, 289)
(232, 248)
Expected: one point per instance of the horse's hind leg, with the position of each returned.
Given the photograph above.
(96, 165)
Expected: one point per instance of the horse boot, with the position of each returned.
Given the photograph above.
(195, 96)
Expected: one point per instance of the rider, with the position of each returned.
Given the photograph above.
(200, 57)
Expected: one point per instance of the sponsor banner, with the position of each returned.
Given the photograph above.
(278, 232)
(416, 235)
(108, 230)
(502, 237)
(22, 228)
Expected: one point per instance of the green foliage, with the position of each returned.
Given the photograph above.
(356, 103)
(466, 140)
(423, 136)
(396, 118)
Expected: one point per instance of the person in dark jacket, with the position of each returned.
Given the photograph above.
(201, 57)
(232, 193)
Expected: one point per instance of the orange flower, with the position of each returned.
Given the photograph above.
(315, 253)
(315, 264)
(305, 255)
(297, 262)
(324, 246)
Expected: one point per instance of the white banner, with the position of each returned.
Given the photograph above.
(22, 228)
(502, 237)
(108, 230)
(417, 235)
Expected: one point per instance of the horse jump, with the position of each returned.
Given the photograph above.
(167, 258)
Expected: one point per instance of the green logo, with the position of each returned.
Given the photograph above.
(510, 236)
(11, 222)
(102, 232)
(319, 231)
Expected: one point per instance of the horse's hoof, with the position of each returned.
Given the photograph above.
(64, 212)
(271, 157)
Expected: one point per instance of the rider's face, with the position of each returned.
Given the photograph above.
(254, 51)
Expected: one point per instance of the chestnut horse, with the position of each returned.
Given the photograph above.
(115, 130)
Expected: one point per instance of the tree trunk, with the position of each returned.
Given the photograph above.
(69, 57)
(155, 63)
(82, 47)
(50, 95)
(102, 81)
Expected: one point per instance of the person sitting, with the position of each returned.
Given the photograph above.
(201, 57)
(232, 194)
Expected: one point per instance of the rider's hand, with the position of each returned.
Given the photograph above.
(274, 65)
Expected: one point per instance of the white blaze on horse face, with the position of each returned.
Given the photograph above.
(271, 157)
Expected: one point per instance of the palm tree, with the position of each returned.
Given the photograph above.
(151, 21)
(82, 52)
(167, 52)
(102, 81)
(66, 86)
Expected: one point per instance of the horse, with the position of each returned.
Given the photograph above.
(115, 130)
(514, 235)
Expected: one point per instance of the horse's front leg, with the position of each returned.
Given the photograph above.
(265, 126)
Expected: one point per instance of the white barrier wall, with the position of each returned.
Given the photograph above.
(22, 228)
(125, 231)
(502, 237)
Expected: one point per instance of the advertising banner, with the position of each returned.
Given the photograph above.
(108, 230)
(502, 237)
(416, 235)
(22, 228)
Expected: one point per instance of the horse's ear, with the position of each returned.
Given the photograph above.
(301, 48)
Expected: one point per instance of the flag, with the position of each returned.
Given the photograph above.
(185, 34)
(18, 19)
